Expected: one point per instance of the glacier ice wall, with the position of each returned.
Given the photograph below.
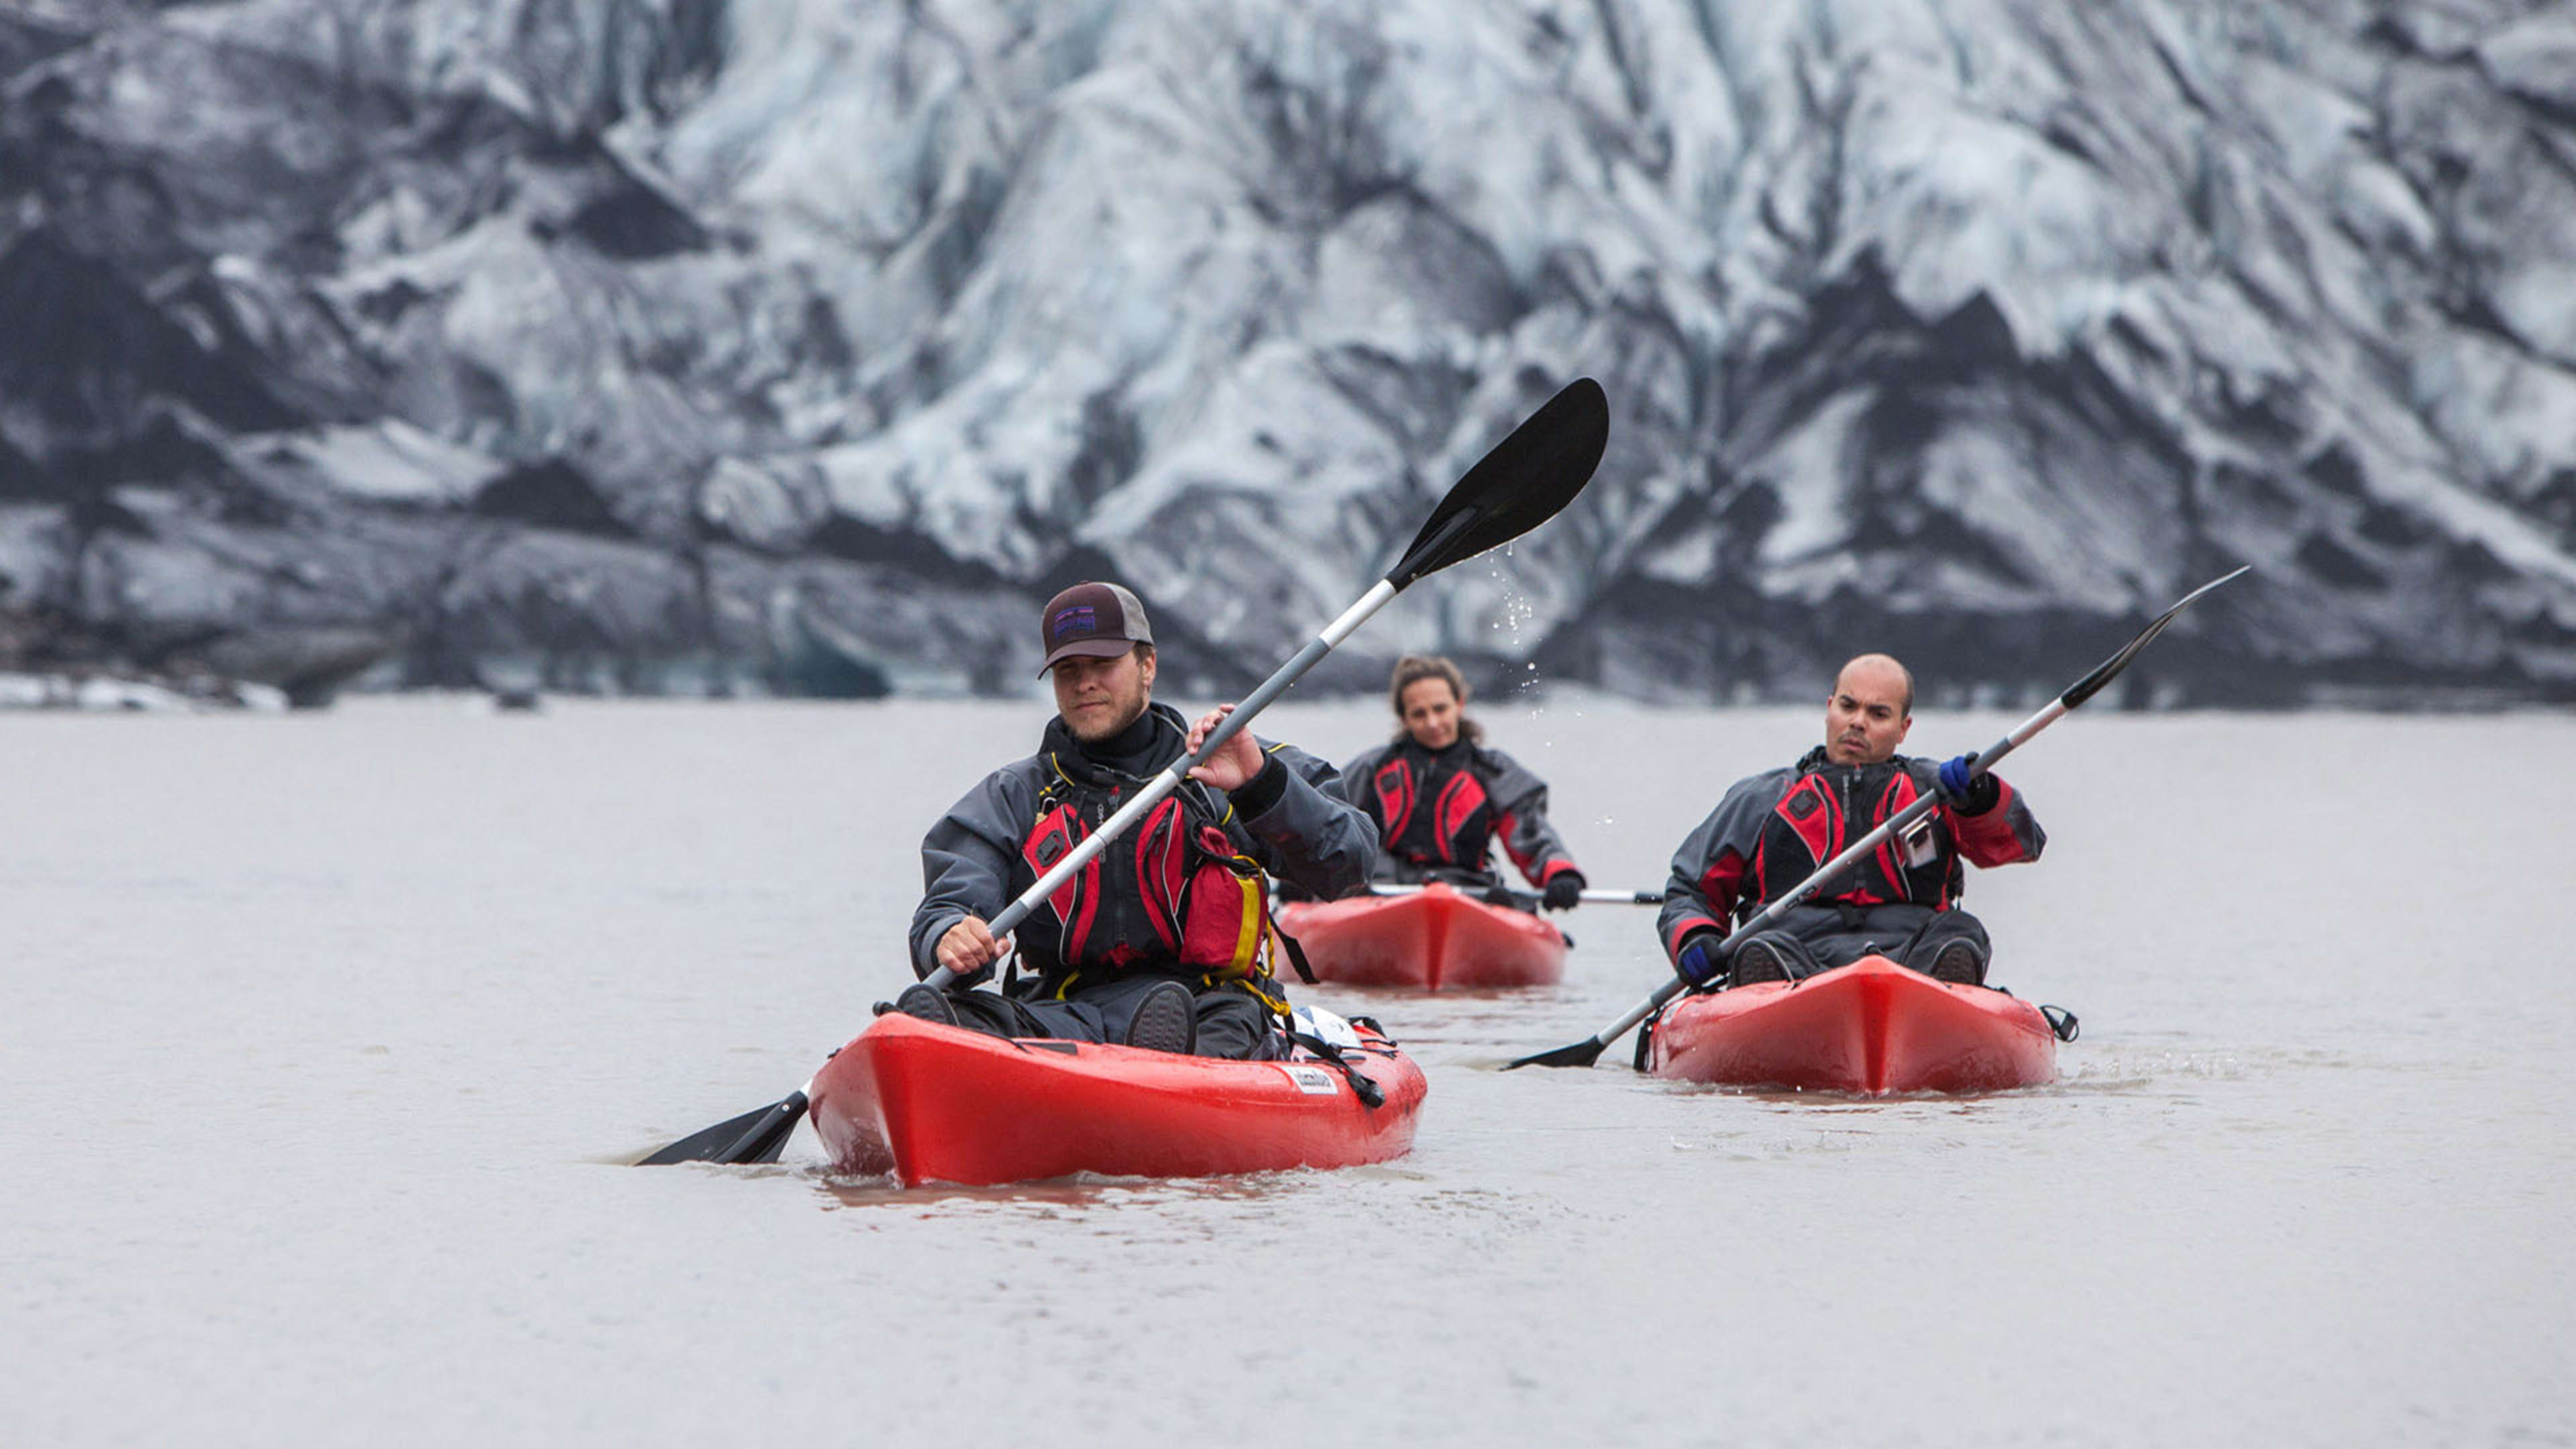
(675, 344)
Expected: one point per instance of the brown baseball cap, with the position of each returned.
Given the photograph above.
(1100, 621)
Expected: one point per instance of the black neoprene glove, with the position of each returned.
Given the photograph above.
(1562, 890)
(1698, 962)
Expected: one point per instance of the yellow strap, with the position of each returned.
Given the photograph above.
(1256, 946)
(1278, 1004)
(1248, 936)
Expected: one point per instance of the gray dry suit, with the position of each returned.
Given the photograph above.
(1438, 811)
(1289, 819)
(1773, 830)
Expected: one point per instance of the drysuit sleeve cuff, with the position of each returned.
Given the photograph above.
(1263, 790)
(925, 957)
(1687, 927)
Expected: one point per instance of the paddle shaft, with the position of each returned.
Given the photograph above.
(1178, 771)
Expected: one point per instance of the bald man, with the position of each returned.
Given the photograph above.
(1775, 829)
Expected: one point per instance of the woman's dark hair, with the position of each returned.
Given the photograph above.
(1411, 670)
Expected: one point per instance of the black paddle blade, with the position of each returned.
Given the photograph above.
(1526, 480)
(755, 1136)
(2110, 668)
(1582, 1054)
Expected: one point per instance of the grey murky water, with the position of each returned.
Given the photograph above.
(318, 1036)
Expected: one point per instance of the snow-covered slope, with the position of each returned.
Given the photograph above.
(681, 344)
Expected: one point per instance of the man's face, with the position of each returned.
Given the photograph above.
(1100, 697)
(1865, 718)
(1431, 713)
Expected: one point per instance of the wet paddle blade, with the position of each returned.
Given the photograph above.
(755, 1136)
(1526, 480)
(1581, 1054)
(2110, 668)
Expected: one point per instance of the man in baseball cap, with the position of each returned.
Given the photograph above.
(1162, 940)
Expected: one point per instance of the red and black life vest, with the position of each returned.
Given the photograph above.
(1825, 808)
(1432, 807)
(1174, 893)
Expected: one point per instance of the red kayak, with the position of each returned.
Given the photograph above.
(1436, 937)
(1871, 1027)
(932, 1103)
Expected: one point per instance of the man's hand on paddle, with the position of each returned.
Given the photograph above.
(1969, 792)
(968, 947)
(1235, 763)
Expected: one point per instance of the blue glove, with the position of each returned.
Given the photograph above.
(1698, 962)
(1968, 792)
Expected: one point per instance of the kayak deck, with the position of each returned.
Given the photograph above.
(1871, 1027)
(1435, 938)
(925, 1102)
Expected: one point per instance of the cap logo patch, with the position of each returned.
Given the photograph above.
(1079, 619)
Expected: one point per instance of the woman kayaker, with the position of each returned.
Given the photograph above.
(1440, 796)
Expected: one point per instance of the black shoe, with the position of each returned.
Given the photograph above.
(1960, 963)
(928, 1002)
(1757, 960)
(1166, 1020)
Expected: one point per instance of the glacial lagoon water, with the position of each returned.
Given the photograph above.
(322, 1038)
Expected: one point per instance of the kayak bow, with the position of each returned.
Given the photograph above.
(1871, 1027)
(1432, 939)
(925, 1102)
